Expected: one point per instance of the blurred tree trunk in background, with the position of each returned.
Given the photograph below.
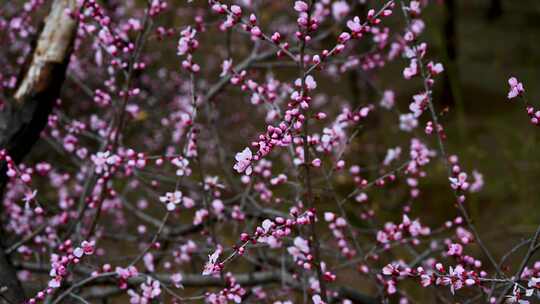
(494, 10)
(26, 114)
(451, 51)
(452, 93)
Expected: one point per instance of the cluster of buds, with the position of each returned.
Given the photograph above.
(401, 232)
(337, 225)
(186, 47)
(60, 264)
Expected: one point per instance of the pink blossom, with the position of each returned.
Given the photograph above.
(355, 26)
(478, 182)
(459, 182)
(226, 67)
(171, 199)
(310, 83)
(177, 278)
(244, 161)
(388, 99)
(212, 267)
(516, 88)
(340, 9)
(407, 122)
(411, 70)
(317, 299)
(301, 6)
(455, 250)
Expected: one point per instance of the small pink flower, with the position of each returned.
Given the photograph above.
(177, 280)
(301, 6)
(388, 99)
(459, 182)
(55, 282)
(435, 68)
(226, 67)
(425, 280)
(310, 83)
(267, 224)
(478, 183)
(354, 25)
(244, 161)
(455, 250)
(516, 88)
(317, 299)
(171, 199)
(340, 9)
(29, 196)
(210, 266)
(411, 70)
(390, 269)
(78, 252)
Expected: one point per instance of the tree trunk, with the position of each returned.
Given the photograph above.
(495, 10)
(26, 115)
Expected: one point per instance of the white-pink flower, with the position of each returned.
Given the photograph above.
(310, 83)
(454, 249)
(355, 25)
(459, 182)
(340, 9)
(301, 6)
(317, 299)
(243, 160)
(516, 88)
(411, 70)
(210, 266)
(226, 67)
(177, 278)
(171, 199)
(388, 99)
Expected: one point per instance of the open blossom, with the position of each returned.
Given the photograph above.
(317, 299)
(459, 182)
(187, 41)
(517, 295)
(407, 122)
(478, 182)
(419, 104)
(455, 279)
(426, 280)
(244, 161)
(212, 266)
(177, 278)
(226, 67)
(355, 25)
(455, 249)
(388, 99)
(391, 155)
(310, 83)
(435, 68)
(87, 248)
(415, 8)
(171, 199)
(516, 88)
(300, 248)
(411, 70)
(29, 196)
(340, 9)
(300, 6)
(103, 161)
(151, 289)
(182, 165)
